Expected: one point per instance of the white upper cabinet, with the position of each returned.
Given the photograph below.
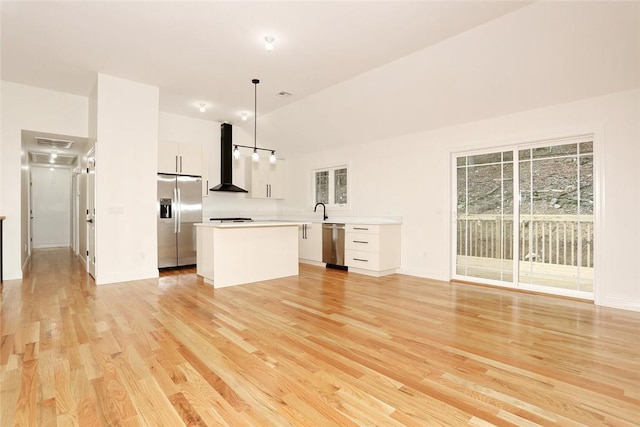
(265, 180)
(206, 179)
(180, 158)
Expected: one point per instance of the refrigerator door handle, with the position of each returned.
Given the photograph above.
(175, 210)
(179, 216)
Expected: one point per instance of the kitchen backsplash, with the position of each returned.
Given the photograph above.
(228, 205)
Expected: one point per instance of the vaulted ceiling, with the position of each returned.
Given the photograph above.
(357, 70)
(208, 51)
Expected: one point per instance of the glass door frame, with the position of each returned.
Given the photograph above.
(598, 195)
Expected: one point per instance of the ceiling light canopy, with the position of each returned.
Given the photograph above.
(269, 41)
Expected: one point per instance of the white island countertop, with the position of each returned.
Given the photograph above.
(250, 224)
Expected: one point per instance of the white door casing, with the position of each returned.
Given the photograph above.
(91, 213)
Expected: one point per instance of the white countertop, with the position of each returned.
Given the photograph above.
(252, 224)
(352, 220)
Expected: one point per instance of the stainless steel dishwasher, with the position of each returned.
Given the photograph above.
(333, 244)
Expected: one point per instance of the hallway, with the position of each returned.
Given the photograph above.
(322, 348)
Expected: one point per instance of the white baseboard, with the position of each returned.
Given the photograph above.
(26, 264)
(83, 260)
(310, 262)
(612, 302)
(52, 245)
(373, 273)
(425, 274)
(621, 303)
(103, 279)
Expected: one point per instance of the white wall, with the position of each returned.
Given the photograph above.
(409, 176)
(546, 53)
(29, 108)
(126, 162)
(183, 129)
(51, 205)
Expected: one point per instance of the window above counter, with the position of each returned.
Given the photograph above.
(331, 186)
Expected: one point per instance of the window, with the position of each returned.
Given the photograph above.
(330, 186)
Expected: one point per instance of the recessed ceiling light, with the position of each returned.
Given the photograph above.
(203, 108)
(244, 115)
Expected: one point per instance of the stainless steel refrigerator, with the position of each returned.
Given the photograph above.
(179, 208)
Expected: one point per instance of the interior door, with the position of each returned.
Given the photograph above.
(91, 213)
(51, 208)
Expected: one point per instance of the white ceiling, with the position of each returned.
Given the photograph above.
(208, 51)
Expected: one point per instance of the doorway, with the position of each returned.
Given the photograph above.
(91, 212)
(52, 192)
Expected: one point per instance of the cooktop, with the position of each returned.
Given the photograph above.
(231, 219)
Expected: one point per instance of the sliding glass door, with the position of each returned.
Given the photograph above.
(552, 242)
(556, 216)
(484, 235)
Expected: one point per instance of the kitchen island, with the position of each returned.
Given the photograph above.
(235, 253)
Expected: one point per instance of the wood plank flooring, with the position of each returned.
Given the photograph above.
(326, 348)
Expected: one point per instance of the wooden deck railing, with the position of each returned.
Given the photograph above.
(551, 239)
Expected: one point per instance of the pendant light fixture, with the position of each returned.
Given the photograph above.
(254, 156)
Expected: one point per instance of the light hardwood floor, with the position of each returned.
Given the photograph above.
(327, 348)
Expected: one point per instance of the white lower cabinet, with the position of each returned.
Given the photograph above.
(372, 249)
(310, 243)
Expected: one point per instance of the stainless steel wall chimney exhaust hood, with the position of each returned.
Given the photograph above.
(226, 162)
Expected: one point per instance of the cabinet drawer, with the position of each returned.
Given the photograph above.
(362, 242)
(363, 260)
(362, 228)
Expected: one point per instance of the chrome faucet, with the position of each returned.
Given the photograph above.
(324, 210)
